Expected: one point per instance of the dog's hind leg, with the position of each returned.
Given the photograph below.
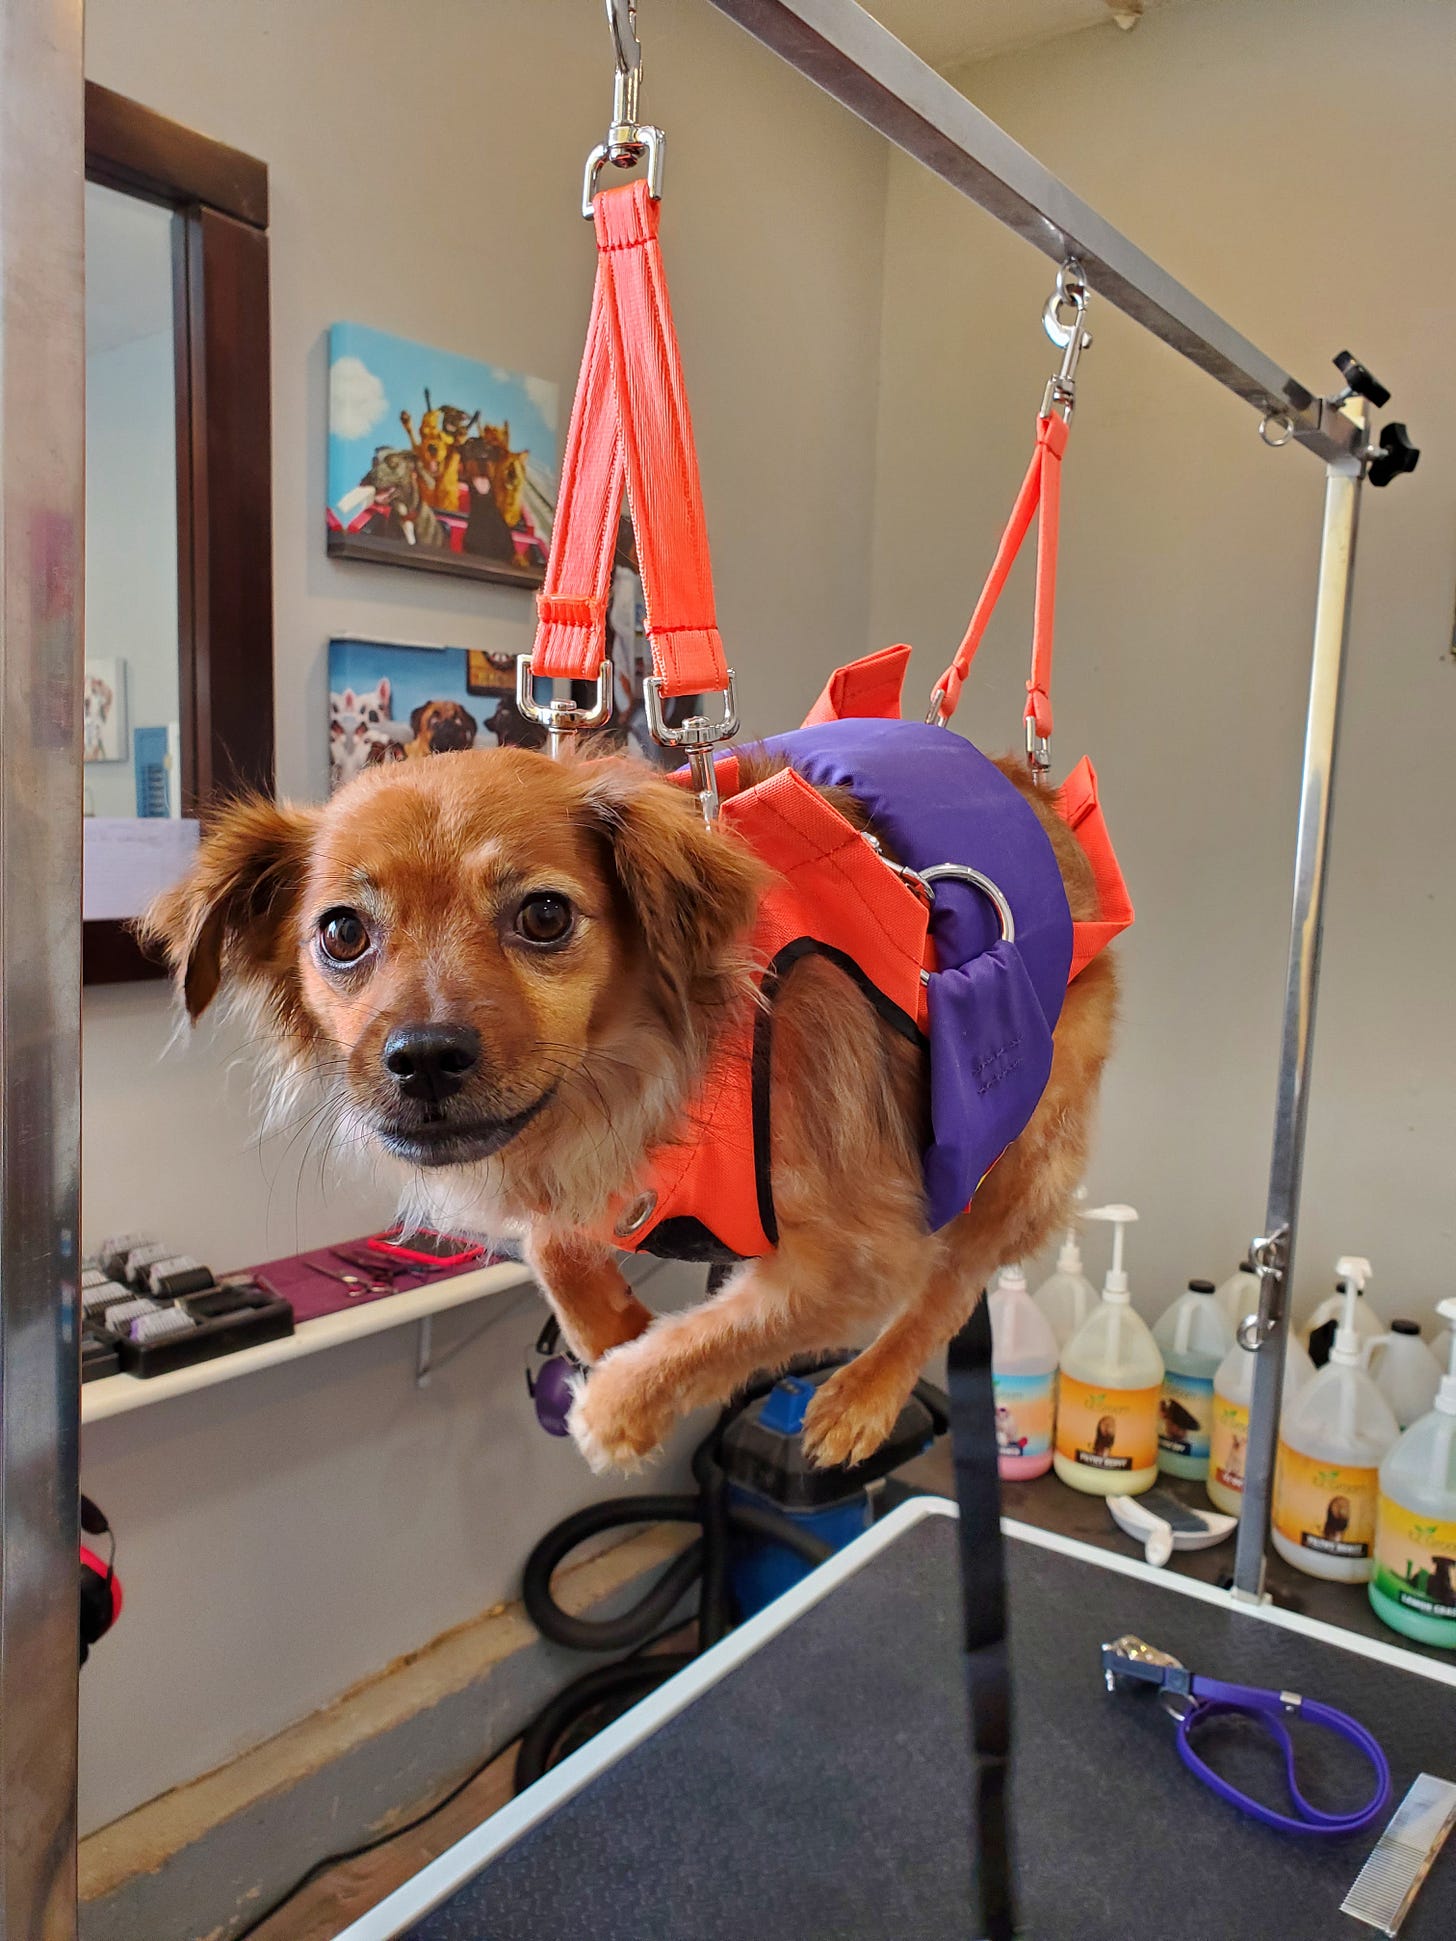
(596, 1309)
(855, 1410)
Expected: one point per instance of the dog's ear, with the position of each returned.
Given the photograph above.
(467, 716)
(417, 715)
(385, 690)
(693, 892)
(234, 911)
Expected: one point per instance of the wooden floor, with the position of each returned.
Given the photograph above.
(327, 1905)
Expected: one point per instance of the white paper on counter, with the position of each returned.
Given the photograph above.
(127, 860)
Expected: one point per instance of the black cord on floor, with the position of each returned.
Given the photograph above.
(368, 1846)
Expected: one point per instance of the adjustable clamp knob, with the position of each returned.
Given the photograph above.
(1362, 382)
(1394, 455)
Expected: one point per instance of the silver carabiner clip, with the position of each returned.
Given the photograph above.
(697, 737)
(628, 140)
(563, 720)
(1069, 334)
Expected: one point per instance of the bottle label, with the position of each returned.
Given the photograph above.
(1415, 1560)
(1107, 1428)
(1023, 1414)
(1185, 1410)
(1227, 1443)
(1328, 1507)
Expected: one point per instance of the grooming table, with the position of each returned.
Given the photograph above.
(807, 1777)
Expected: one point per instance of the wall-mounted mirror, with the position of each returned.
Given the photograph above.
(177, 697)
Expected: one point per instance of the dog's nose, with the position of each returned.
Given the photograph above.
(431, 1061)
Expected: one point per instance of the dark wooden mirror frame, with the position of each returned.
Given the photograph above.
(224, 457)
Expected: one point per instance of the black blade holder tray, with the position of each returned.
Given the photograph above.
(228, 1317)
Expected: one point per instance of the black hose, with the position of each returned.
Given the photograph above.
(593, 1700)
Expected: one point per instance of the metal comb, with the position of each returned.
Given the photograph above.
(1387, 1884)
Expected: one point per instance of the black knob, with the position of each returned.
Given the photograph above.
(1362, 382)
(1394, 455)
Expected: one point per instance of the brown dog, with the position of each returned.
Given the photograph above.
(511, 972)
(440, 728)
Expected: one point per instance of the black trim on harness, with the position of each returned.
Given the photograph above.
(684, 1238)
(983, 1621)
(898, 1021)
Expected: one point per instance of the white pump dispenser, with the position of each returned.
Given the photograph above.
(1349, 1267)
(1331, 1444)
(1414, 1585)
(1110, 1384)
(1067, 1297)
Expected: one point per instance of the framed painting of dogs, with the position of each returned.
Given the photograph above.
(438, 461)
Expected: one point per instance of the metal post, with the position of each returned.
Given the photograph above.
(1343, 485)
(42, 378)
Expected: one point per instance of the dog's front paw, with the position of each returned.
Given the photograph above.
(850, 1416)
(613, 1421)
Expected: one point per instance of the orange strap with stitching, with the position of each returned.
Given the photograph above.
(1041, 491)
(630, 424)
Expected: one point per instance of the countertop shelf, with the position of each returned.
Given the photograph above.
(119, 1394)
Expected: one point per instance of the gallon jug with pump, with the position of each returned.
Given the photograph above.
(1108, 1392)
(1024, 1373)
(1067, 1297)
(1238, 1296)
(1331, 1444)
(1193, 1338)
(1233, 1391)
(1318, 1332)
(1407, 1373)
(1414, 1585)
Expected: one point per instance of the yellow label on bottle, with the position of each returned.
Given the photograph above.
(1327, 1507)
(1107, 1428)
(1415, 1561)
(1228, 1443)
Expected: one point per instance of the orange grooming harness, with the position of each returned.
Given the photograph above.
(704, 1194)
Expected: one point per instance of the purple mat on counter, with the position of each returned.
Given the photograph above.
(307, 1280)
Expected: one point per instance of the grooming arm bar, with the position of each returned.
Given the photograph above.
(852, 57)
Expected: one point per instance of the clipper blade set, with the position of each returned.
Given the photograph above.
(148, 1309)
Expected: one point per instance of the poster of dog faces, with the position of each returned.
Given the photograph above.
(391, 703)
(437, 461)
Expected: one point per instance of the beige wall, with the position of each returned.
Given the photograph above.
(287, 1535)
(1213, 137)
(424, 166)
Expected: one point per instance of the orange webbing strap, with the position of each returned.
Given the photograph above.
(1040, 489)
(1080, 809)
(630, 423)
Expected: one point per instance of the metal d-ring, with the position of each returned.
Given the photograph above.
(962, 873)
(1275, 419)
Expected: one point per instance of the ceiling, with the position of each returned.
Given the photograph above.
(948, 32)
(128, 269)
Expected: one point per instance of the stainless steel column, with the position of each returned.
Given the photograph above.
(42, 377)
(1343, 486)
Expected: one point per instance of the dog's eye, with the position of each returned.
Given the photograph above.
(545, 918)
(343, 936)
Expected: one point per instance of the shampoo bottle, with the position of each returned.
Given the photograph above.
(1238, 1296)
(1194, 1338)
(1023, 1372)
(1067, 1297)
(1414, 1585)
(1407, 1374)
(1233, 1391)
(1110, 1385)
(1331, 1445)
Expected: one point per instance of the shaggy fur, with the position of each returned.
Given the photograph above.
(601, 1036)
